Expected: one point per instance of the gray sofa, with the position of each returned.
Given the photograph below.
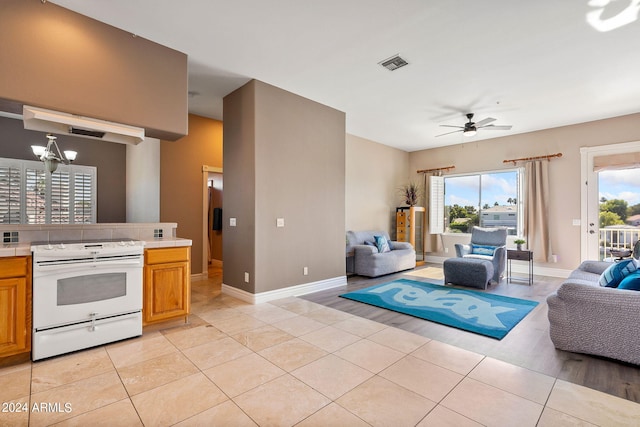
(587, 318)
(367, 261)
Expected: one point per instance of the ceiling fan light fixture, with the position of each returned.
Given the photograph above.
(470, 131)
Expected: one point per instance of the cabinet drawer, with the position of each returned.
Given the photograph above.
(519, 255)
(164, 255)
(13, 267)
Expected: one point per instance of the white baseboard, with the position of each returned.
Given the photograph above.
(520, 268)
(200, 276)
(291, 291)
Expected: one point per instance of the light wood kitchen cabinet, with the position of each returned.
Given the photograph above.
(167, 284)
(15, 305)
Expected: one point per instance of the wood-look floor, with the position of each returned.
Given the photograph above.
(528, 345)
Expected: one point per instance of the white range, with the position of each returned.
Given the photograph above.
(85, 294)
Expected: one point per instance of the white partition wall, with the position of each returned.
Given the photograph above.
(143, 181)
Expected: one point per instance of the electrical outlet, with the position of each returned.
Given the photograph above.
(279, 222)
(446, 250)
(305, 271)
(232, 222)
(246, 277)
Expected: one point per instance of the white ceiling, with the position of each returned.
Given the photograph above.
(533, 65)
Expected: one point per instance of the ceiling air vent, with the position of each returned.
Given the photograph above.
(86, 132)
(393, 63)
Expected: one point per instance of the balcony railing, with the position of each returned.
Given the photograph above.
(617, 239)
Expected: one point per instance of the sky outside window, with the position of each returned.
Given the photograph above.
(620, 184)
(497, 187)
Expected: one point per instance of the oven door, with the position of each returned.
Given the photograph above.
(70, 295)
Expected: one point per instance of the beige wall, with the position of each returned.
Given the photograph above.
(564, 173)
(238, 245)
(54, 58)
(294, 149)
(375, 172)
(182, 181)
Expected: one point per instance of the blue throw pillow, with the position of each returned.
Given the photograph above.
(482, 250)
(382, 244)
(631, 282)
(614, 274)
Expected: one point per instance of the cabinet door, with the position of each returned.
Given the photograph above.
(166, 291)
(13, 312)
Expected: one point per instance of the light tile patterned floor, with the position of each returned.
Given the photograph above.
(291, 362)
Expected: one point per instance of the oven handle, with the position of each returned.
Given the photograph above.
(82, 265)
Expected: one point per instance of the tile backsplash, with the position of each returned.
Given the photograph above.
(10, 237)
(87, 232)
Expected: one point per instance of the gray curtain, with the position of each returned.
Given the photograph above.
(432, 242)
(536, 210)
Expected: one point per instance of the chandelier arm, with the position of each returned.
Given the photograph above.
(60, 157)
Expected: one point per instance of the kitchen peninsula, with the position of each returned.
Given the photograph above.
(162, 286)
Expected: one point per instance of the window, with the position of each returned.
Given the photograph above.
(31, 195)
(490, 199)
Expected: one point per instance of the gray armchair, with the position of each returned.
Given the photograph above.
(496, 237)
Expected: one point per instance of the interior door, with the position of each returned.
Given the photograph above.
(590, 242)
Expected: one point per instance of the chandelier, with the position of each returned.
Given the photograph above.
(50, 157)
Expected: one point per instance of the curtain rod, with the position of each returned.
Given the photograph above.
(525, 159)
(446, 168)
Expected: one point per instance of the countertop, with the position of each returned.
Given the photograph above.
(24, 248)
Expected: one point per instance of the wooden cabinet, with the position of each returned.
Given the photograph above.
(410, 226)
(407, 227)
(167, 284)
(402, 226)
(15, 305)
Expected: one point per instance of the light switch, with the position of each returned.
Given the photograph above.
(232, 222)
(280, 222)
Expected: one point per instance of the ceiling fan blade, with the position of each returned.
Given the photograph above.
(452, 126)
(496, 127)
(448, 133)
(485, 121)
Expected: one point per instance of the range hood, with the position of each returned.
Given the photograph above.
(50, 121)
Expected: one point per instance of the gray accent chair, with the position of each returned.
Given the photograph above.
(369, 262)
(585, 317)
(491, 237)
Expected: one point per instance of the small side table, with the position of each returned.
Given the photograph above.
(519, 255)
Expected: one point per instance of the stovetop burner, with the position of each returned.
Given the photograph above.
(93, 246)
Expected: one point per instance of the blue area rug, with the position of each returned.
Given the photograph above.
(482, 313)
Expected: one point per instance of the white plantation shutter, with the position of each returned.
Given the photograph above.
(436, 205)
(36, 196)
(11, 204)
(83, 190)
(60, 197)
(31, 195)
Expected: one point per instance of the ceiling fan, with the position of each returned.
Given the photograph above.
(471, 128)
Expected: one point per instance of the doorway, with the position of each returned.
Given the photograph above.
(214, 219)
(212, 191)
(603, 170)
